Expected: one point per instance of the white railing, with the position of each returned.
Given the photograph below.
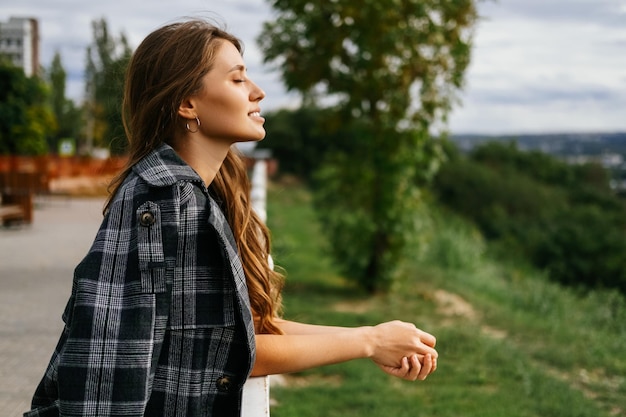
(256, 391)
(258, 193)
(256, 397)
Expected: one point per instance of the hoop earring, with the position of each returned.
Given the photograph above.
(197, 128)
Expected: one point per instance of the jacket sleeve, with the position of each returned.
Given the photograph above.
(116, 320)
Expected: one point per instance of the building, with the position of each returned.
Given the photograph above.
(19, 42)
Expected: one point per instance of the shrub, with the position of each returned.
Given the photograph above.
(562, 218)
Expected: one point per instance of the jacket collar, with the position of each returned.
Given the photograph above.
(163, 167)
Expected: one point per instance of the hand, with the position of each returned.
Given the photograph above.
(412, 368)
(395, 340)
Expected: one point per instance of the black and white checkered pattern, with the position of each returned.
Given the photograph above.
(159, 311)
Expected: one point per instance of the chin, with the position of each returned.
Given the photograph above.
(258, 137)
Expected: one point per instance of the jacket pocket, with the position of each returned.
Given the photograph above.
(204, 299)
(150, 248)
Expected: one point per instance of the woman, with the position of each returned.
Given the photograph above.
(175, 304)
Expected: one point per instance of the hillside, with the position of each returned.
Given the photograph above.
(511, 343)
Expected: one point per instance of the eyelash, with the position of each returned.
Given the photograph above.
(240, 81)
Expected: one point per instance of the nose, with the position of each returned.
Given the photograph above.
(256, 92)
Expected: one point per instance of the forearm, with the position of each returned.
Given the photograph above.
(306, 346)
(277, 354)
(296, 328)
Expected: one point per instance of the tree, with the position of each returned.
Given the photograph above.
(297, 139)
(561, 218)
(390, 69)
(68, 117)
(57, 77)
(107, 59)
(25, 119)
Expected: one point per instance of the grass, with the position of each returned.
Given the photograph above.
(510, 342)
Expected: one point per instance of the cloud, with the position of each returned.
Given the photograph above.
(533, 95)
(606, 12)
(537, 65)
(65, 26)
(553, 66)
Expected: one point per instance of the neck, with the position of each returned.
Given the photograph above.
(204, 156)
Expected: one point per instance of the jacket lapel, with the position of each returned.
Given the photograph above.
(218, 221)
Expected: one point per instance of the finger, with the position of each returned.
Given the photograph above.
(426, 367)
(401, 372)
(428, 339)
(424, 350)
(405, 367)
(416, 367)
(434, 360)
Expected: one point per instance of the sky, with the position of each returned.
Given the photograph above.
(538, 66)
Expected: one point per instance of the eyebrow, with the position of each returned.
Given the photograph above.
(238, 67)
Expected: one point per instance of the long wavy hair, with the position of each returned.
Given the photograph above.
(167, 67)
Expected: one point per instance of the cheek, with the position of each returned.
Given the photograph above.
(226, 105)
(221, 118)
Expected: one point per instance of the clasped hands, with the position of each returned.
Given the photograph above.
(404, 351)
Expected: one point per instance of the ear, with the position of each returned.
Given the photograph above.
(187, 109)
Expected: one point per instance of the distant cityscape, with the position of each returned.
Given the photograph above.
(607, 149)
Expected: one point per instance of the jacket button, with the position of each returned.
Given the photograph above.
(146, 218)
(224, 384)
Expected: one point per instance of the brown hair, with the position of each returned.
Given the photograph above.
(167, 67)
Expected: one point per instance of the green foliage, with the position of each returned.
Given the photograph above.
(107, 59)
(511, 343)
(297, 139)
(541, 166)
(388, 72)
(584, 246)
(452, 243)
(35, 115)
(380, 53)
(68, 117)
(30, 138)
(561, 218)
(368, 203)
(25, 120)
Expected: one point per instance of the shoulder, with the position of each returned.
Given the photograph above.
(163, 167)
(161, 177)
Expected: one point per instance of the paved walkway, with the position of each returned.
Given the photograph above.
(36, 266)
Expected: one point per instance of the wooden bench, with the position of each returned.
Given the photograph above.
(11, 213)
(17, 190)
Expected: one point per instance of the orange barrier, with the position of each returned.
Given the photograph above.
(76, 166)
(23, 177)
(57, 166)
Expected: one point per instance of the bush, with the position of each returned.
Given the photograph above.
(583, 246)
(299, 139)
(562, 218)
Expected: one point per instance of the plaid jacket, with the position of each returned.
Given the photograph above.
(159, 320)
